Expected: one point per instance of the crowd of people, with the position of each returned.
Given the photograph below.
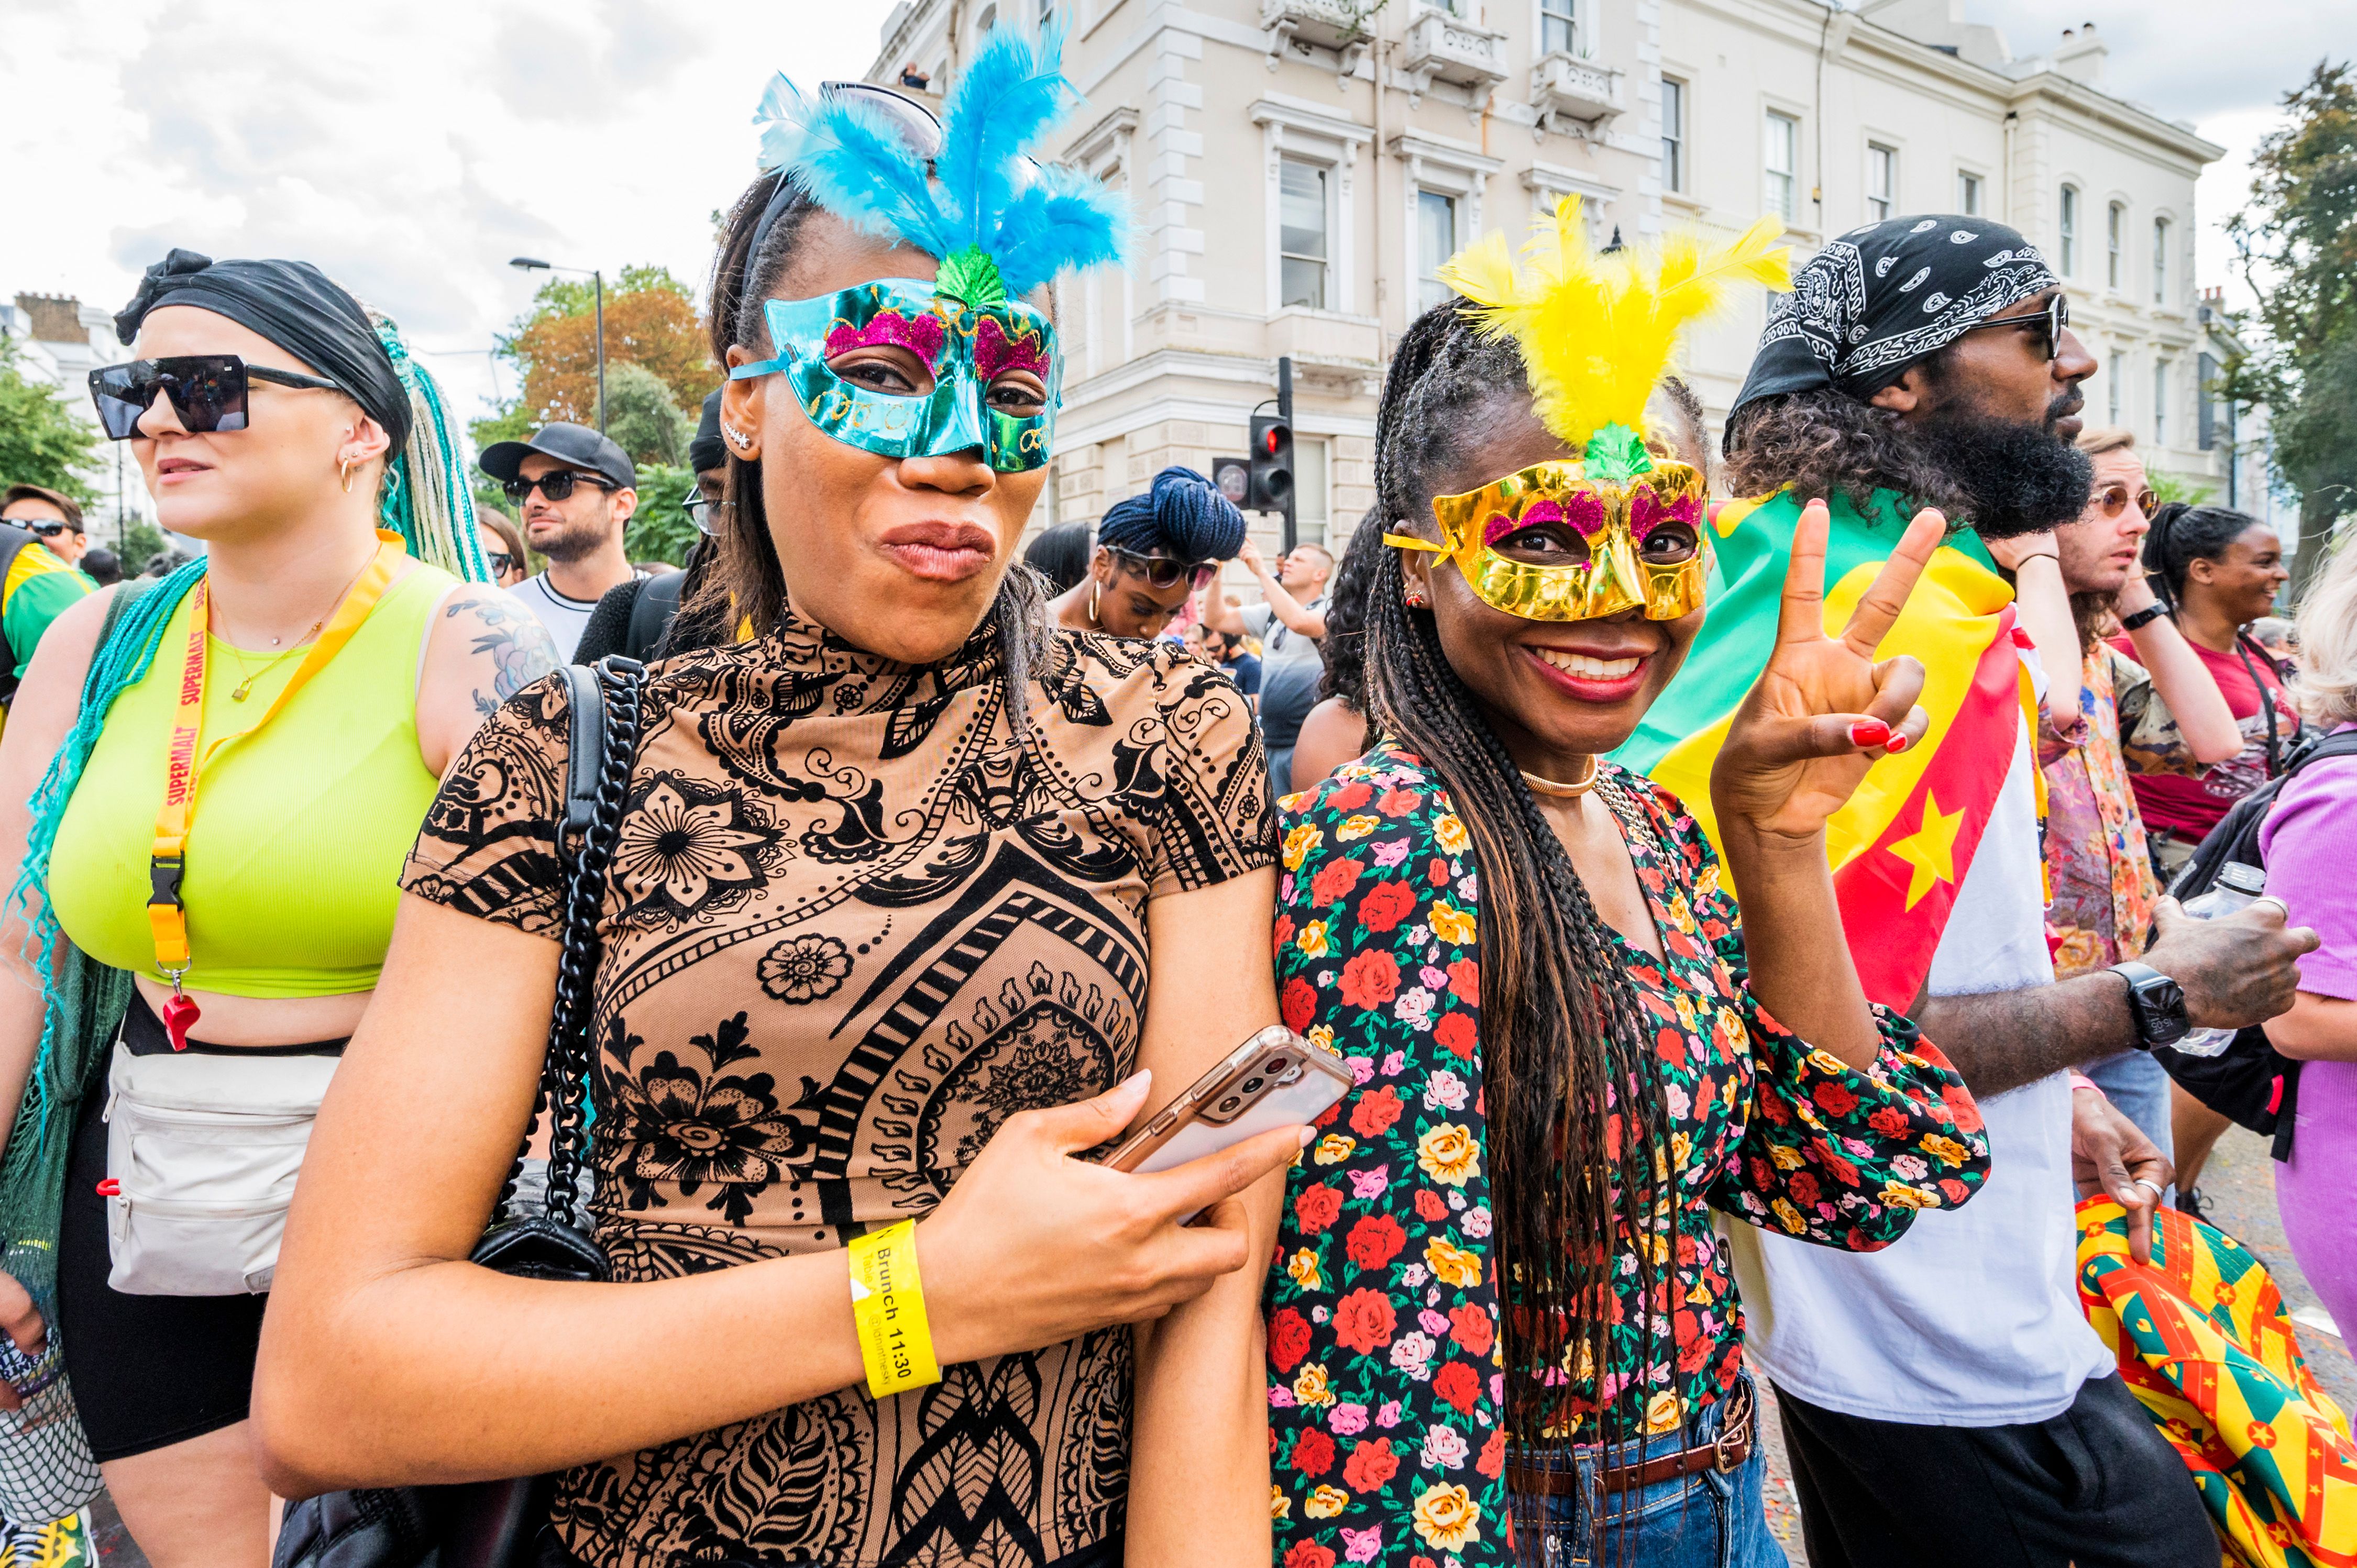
(694, 1003)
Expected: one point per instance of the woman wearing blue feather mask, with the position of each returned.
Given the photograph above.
(915, 898)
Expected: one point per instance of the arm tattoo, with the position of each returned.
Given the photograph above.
(519, 647)
(2006, 1039)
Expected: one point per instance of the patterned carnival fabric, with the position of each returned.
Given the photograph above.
(1903, 844)
(2203, 1339)
(1386, 1385)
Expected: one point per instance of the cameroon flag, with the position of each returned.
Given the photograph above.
(1901, 847)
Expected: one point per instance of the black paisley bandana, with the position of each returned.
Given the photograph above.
(1889, 295)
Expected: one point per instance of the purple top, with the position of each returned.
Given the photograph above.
(2314, 822)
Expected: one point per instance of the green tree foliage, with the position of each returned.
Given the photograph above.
(42, 441)
(2297, 241)
(2167, 488)
(650, 320)
(142, 542)
(642, 417)
(659, 530)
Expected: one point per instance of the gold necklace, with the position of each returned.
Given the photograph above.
(1586, 782)
(244, 689)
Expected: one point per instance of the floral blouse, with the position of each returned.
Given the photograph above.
(2104, 886)
(1386, 1383)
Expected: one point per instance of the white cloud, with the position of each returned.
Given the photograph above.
(408, 149)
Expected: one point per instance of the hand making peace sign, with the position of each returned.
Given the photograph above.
(1824, 711)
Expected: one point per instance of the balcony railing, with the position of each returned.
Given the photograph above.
(1442, 47)
(1574, 96)
(1337, 24)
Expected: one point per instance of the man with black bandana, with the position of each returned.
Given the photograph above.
(1944, 1401)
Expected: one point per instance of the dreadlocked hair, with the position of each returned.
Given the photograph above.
(1346, 617)
(1579, 1127)
(745, 582)
(1824, 443)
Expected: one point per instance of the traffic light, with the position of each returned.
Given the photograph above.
(1272, 465)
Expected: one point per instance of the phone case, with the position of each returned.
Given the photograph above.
(1180, 1134)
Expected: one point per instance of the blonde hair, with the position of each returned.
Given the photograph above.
(2327, 622)
(2099, 439)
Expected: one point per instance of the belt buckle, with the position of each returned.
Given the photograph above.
(1735, 1428)
(1722, 1450)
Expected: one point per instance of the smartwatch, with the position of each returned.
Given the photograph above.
(2157, 1003)
(2144, 616)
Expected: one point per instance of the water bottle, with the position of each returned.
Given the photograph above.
(2237, 885)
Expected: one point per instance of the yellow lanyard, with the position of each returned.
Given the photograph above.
(167, 918)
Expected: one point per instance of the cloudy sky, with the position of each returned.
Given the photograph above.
(412, 147)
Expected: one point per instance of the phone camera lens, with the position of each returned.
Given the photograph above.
(1231, 1102)
(1279, 1064)
(1251, 1084)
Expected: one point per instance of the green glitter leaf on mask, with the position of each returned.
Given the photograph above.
(971, 277)
(1617, 455)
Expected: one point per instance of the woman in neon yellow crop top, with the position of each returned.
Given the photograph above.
(331, 672)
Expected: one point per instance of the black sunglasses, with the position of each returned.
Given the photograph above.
(556, 486)
(208, 391)
(1162, 572)
(49, 529)
(501, 562)
(2049, 323)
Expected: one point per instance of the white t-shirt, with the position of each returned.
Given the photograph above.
(1280, 643)
(1972, 1318)
(565, 618)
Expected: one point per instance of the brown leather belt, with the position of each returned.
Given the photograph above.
(1727, 1452)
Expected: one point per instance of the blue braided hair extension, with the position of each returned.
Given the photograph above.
(428, 497)
(121, 663)
(1183, 515)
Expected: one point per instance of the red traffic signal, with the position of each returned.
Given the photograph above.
(1272, 465)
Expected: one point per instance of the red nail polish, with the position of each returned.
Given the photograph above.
(1869, 733)
(1897, 744)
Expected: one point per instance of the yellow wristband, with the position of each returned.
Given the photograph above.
(887, 1306)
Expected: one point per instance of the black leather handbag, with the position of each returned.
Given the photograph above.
(496, 1524)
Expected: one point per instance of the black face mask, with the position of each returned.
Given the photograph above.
(2017, 479)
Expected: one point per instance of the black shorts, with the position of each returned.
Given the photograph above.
(147, 1370)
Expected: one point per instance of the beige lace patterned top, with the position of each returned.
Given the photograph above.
(854, 923)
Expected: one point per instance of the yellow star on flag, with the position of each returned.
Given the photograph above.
(1931, 849)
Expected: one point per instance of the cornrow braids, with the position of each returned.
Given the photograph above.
(746, 584)
(1579, 1127)
(1346, 617)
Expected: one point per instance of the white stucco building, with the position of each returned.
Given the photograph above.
(1300, 168)
(59, 340)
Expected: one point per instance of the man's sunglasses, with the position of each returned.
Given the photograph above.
(556, 486)
(1161, 572)
(2049, 322)
(48, 528)
(207, 392)
(2113, 498)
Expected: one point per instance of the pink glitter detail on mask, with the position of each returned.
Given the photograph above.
(1647, 509)
(1584, 509)
(922, 337)
(994, 355)
(1499, 525)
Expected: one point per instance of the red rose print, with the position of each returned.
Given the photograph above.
(1437, 873)
(1471, 1328)
(1317, 1208)
(1372, 1462)
(1398, 803)
(1456, 1035)
(1691, 1358)
(1375, 1113)
(1835, 1099)
(1803, 1188)
(1309, 1554)
(1289, 1339)
(1335, 882)
(1685, 1326)
(1370, 979)
(1328, 1116)
(1352, 796)
(1465, 982)
(1364, 1322)
(1373, 1241)
(1283, 933)
(1313, 1454)
(1421, 1561)
(1299, 1005)
(1774, 1107)
(1670, 1044)
(1459, 1385)
(1839, 1168)
(1429, 1205)
(1954, 1190)
(1889, 1121)
(1492, 1459)
(1959, 1101)
(1386, 904)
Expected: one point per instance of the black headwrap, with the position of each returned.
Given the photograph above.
(706, 451)
(1887, 296)
(294, 305)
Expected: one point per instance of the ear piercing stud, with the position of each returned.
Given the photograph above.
(741, 440)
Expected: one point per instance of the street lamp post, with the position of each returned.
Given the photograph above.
(598, 284)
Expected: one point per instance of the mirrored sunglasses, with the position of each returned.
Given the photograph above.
(1162, 572)
(207, 392)
(556, 487)
(2113, 498)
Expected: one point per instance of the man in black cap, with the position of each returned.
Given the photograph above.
(632, 617)
(577, 491)
(1945, 1401)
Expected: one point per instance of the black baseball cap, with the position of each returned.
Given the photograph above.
(574, 444)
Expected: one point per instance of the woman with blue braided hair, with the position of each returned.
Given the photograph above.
(916, 897)
(1154, 552)
(307, 680)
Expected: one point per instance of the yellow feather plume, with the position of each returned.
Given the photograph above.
(1597, 332)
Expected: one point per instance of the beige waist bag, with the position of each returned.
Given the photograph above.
(202, 1155)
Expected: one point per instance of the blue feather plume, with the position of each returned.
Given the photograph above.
(1065, 220)
(855, 162)
(1004, 103)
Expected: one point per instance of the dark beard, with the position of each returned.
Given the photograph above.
(2015, 479)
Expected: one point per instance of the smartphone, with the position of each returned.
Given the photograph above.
(1276, 1079)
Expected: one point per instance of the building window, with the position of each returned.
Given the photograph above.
(1673, 133)
(2117, 380)
(2070, 231)
(1881, 182)
(2160, 261)
(1301, 234)
(2116, 222)
(989, 19)
(1435, 242)
(2160, 403)
(1968, 195)
(1782, 158)
(1559, 26)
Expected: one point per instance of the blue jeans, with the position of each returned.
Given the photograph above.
(1707, 1520)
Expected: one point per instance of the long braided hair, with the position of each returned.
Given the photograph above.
(1579, 1128)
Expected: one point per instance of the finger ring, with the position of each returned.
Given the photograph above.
(2159, 1192)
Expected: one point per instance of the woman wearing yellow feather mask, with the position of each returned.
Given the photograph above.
(1566, 1062)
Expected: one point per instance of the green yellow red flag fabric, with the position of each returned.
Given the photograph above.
(1901, 847)
(2206, 1346)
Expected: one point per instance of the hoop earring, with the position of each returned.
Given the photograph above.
(345, 470)
(1096, 592)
